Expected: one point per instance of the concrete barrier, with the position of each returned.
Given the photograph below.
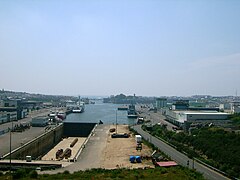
(39, 145)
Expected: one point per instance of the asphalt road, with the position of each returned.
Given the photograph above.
(18, 139)
(179, 157)
(155, 118)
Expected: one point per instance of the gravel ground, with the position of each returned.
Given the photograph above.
(118, 150)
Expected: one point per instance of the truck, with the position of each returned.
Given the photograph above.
(138, 138)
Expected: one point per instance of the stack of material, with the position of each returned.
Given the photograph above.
(59, 153)
(66, 154)
(74, 142)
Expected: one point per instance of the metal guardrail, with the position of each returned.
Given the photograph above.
(215, 169)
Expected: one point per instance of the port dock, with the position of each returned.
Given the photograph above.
(42, 143)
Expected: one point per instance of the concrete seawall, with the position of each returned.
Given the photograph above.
(76, 129)
(38, 146)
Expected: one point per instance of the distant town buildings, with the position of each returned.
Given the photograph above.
(15, 109)
(16, 105)
(161, 103)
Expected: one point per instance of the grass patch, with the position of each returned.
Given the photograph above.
(178, 173)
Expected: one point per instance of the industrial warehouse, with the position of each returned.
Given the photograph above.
(181, 118)
(184, 116)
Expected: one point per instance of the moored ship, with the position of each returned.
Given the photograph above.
(79, 107)
(62, 115)
(132, 112)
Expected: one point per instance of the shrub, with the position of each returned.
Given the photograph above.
(20, 173)
(33, 174)
(66, 172)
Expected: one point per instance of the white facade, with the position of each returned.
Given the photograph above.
(13, 116)
(3, 117)
(221, 107)
(180, 117)
(8, 116)
(235, 107)
(201, 116)
(1, 103)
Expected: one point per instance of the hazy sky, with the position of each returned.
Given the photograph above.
(97, 47)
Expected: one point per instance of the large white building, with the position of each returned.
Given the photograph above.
(180, 118)
(201, 116)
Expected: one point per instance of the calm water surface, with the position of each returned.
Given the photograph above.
(101, 111)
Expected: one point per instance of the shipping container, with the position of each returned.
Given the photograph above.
(40, 121)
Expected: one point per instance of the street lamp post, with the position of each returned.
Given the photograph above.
(116, 121)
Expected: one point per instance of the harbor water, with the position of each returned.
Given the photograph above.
(106, 112)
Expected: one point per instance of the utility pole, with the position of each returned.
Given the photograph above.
(10, 154)
(193, 163)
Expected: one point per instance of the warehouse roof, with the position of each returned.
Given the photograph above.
(202, 112)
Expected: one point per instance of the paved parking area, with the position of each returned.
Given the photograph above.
(18, 139)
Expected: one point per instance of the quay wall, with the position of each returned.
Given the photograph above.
(38, 146)
(76, 129)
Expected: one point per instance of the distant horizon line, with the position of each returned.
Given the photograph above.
(118, 94)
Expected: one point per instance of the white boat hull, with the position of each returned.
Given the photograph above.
(76, 110)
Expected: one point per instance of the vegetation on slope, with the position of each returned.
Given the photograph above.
(178, 173)
(235, 118)
(217, 147)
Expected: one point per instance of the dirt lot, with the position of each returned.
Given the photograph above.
(118, 150)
